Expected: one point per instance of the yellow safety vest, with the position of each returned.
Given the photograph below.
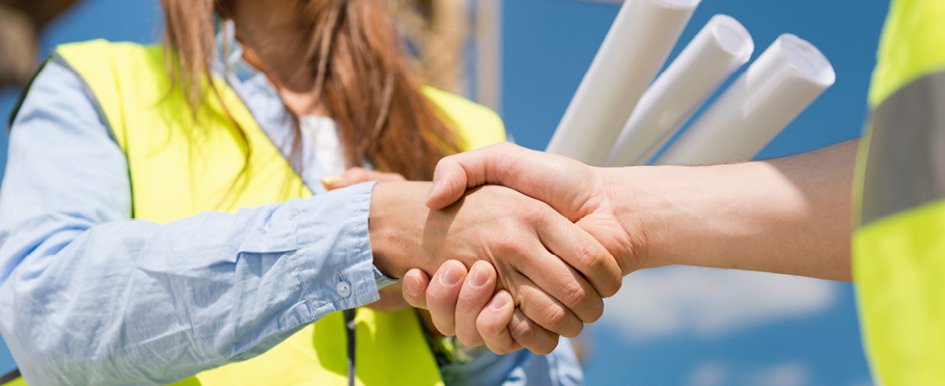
(180, 167)
(899, 243)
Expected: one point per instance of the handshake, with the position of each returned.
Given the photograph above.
(541, 235)
(546, 238)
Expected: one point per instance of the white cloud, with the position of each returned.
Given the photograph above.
(709, 374)
(714, 373)
(784, 374)
(705, 302)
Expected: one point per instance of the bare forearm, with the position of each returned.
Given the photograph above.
(790, 215)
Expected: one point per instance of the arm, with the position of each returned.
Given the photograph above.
(88, 294)
(789, 215)
(96, 295)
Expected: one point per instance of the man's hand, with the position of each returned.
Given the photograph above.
(555, 271)
(578, 191)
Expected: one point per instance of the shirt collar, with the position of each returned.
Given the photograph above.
(228, 58)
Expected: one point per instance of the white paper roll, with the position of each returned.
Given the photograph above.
(775, 89)
(720, 48)
(637, 45)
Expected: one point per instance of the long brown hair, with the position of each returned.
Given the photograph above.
(361, 78)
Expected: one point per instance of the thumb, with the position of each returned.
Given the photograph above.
(449, 183)
(456, 173)
(563, 183)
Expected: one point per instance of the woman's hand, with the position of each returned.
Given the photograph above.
(555, 271)
(576, 190)
(391, 296)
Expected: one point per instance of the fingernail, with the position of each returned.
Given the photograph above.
(500, 301)
(479, 276)
(411, 288)
(451, 276)
(434, 188)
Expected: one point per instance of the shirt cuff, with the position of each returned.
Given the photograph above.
(383, 280)
(336, 262)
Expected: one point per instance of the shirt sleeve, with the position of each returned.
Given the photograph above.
(90, 296)
(560, 368)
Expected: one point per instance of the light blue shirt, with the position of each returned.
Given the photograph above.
(89, 295)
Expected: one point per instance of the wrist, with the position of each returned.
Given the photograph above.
(639, 204)
(396, 224)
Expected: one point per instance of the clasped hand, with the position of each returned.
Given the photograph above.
(562, 250)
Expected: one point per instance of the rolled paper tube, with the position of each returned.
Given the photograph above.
(717, 51)
(637, 45)
(775, 89)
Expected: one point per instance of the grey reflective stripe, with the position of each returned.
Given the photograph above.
(10, 377)
(905, 166)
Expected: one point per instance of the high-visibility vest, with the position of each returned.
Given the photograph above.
(899, 242)
(180, 167)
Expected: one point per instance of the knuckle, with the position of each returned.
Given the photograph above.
(575, 295)
(503, 146)
(590, 255)
(489, 326)
(535, 212)
(555, 318)
(506, 246)
(522, 331)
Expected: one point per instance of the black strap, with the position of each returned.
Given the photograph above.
(349, 333)
(8, 377)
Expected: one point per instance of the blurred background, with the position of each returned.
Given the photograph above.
(525, 58)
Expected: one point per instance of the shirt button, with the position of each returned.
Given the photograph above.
(343, 288)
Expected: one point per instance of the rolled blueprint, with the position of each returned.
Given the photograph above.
(637, 45)
(775, 89)
(720, 48)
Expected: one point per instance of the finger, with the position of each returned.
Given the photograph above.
(546, 311)
(493, 324)
(552, 276)
(473, 297)
(415, 283)
(442, 295)
(531, 336)
(353, 176)
(582, 252)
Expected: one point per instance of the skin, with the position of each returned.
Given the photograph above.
(791, 215)
(554, 271)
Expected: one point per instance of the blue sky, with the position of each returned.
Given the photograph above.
(671, 326)
(690, 326)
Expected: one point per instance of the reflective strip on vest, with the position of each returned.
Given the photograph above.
(180, 167)
(12, 378)
(905, 166)
(899, 246)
